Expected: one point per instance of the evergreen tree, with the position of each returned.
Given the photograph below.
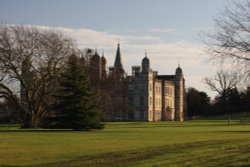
(76, 106)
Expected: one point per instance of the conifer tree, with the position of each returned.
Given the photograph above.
(75, 105)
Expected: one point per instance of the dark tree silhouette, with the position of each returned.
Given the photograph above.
(198, 103)
(76, 104)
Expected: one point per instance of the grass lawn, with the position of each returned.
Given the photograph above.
(189, 143)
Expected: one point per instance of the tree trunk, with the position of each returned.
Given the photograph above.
(30, 121)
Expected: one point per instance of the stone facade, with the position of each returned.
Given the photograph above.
(145, 95)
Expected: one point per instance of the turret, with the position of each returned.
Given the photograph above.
(178, 72)
(179, 94)
(145, 64)
(95, 65)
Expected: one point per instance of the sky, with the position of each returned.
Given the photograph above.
(168, 30)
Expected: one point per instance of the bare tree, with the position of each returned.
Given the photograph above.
(230, 44)
(222, 83)
(31, 59)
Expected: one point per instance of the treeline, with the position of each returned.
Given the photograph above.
(199, 104)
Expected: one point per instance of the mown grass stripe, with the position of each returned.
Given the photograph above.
(131, 158)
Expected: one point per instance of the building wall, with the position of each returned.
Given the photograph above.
(157, 100)
(138, 97)
(150, 97)
(168, 100)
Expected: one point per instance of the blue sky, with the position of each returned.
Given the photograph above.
(167, 29)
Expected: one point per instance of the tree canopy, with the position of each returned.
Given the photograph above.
(30, 62)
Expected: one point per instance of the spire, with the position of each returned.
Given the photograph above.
(103, 58)
(118, 60)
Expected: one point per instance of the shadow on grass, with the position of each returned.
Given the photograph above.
(240, 131)
(186, 125)
(38, 130)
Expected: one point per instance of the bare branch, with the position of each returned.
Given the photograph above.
(33, 59)
(230, 44)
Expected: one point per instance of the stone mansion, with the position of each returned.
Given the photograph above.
(144, 95)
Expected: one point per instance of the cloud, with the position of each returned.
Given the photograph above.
(165, 30)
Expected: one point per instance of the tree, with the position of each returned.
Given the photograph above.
(30, 62)
(234, 100)
(198, 103)
(245, 96)
(223, 83)
(75, 104)
(230, 44)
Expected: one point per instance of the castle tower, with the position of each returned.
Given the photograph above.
(119, 89)
(118, 64)
(95, 69)
(179, 94)
(146, 81)
(145, 64)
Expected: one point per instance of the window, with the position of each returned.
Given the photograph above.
(166, 90)
(167, 102)
(141, 114)
(130, 87)
(141, 87)
(169, 91)
(150, 101)
(150, 87)
(142, 101)
(157, 102)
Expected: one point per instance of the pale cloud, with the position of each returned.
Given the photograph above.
(203, 29)
(164, 56)
(165, 30)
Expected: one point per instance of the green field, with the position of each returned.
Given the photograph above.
(188, 143)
